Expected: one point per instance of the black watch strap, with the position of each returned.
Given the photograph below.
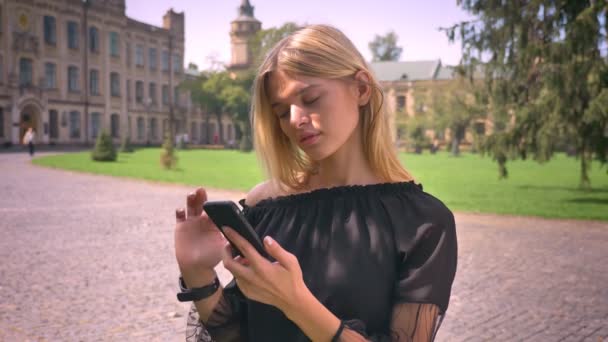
(197, 293)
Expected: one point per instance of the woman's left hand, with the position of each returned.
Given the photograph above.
(277, 283)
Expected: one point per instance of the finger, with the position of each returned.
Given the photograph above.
(180, 215)
(280, 254)
(237, 270)
(241, 260)
(195, 202)
(190, 204)
(254, 258)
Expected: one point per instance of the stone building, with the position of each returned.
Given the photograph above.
(72, 68)
(401, 81)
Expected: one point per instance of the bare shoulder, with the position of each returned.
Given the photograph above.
(266, 189)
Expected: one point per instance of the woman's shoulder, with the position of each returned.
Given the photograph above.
(264, 190)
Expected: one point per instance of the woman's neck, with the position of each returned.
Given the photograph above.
(347, 166)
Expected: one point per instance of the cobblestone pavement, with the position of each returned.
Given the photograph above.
(90, 258)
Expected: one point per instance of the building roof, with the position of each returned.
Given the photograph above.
(410, 70)
(445, 72)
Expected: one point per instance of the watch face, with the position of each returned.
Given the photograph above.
(24, 21)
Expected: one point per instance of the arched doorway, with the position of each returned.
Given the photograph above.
(29, 117)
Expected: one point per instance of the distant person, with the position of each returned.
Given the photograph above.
(216, 139)
(362, 252)
(29, 139)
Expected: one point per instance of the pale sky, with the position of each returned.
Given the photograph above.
(414, 21)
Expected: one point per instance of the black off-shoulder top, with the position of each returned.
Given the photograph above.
(362, 250)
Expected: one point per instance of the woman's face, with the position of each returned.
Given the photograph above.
(319, 115)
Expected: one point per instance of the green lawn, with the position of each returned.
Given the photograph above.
(467, 183)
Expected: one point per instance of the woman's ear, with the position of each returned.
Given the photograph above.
(364, 88)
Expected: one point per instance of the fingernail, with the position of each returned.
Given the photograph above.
(269, 241)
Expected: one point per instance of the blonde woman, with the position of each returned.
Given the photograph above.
(362, 252)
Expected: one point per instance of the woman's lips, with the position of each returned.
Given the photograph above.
(309, 139)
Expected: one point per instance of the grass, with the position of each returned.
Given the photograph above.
(468, 183)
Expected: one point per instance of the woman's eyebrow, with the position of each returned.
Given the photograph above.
(310, 86)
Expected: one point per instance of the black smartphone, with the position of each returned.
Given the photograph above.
(226, 213)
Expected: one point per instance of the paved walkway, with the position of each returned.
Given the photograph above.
(88, 258)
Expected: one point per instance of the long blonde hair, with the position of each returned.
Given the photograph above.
(325, 52)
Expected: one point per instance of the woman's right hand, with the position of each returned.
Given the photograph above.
(198, 242)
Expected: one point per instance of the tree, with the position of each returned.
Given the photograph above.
(205, 92)
(415, 127)
(264, 40)
(193, 66)
(168, 159)
(545, 75)
(236, 101)
(384, 48)
(455, 107)
(104, 149)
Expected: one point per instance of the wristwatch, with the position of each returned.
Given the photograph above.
(197, 293)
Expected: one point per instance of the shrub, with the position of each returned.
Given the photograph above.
(104, 148)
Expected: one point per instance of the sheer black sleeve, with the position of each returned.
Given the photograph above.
(224, 323)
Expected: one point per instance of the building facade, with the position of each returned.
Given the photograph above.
(403, 84)
(72, 68)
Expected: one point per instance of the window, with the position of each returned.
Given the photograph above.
(153, 129)
(165, 94)
(50, 76)
(152, 91)
(73, 79)
(93, 39)
(128, 90)
(139, 56)
(115, 125)
(1, 122)
(114, 52)
(94, 82)
(176, 95)
(204, 133)
(1, 69)
(50, 30)
(25, 72)
(152, 58)
(114, 84)
(400, 102)
(139, 91)
(480, 128)
(74, 124)
(140, 128)
(95, 124)
(54, 124)
(165, 61)
(177, 63)
(128, 53)
(193, 131)
(72, 35)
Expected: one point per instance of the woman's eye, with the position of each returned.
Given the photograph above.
(311, 101)
(283, 115)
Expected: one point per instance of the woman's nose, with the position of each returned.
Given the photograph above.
(298, 117)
